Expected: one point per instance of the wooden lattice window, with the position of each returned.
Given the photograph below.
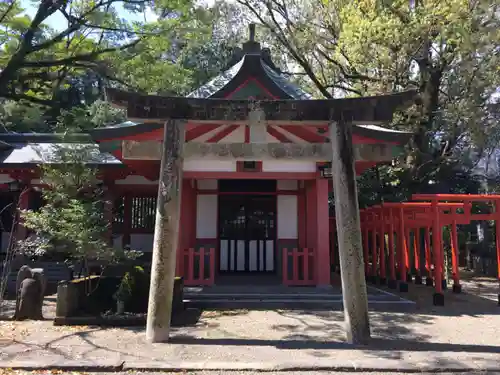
(143, 214)
(136, 213)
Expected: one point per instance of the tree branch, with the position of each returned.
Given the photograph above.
(45, 10)
(279, 34)
(7, 11)
(31, 99)
(77, 58)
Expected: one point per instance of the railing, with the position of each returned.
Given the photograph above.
(198, 266)
(298, 267)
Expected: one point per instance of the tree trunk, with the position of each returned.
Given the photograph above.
(349, 235)
(166, 234)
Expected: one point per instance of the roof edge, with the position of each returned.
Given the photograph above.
(383, 134)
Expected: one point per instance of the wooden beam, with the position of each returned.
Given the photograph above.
(151, 150)
(362, 110)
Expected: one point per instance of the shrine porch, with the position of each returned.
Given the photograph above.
(259, 230)
(256, 297)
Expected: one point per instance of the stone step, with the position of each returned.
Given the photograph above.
(293, 303)
(278, 296)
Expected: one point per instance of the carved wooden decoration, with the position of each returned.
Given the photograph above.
(151, 150)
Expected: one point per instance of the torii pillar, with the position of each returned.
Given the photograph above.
(166, 233)
(349, 234)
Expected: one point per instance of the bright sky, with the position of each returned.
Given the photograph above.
(57, 20)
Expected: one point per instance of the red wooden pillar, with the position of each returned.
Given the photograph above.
(457, 288)
(311, 214)
(322, 234)
(437, 243)
(406, 250)
(428, 257)
(382, 258)
(403, 285)
(373, 228)
(301, 212)
(366, 241)
(187, 227)
(392, 266)
(23, 204)
(416, 250)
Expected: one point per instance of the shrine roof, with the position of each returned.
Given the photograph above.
(32, 149)
(130, 129)
(253, 80)
(251, 62)
(251, 67)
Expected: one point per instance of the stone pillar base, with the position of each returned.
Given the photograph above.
(438, 299)
(403, 287)
(392, 284)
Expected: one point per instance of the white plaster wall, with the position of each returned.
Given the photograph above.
(288, 166)
(290, 185)
(207, 184)
(206, 136)
(287, 217)
(236, 136)
(141, 242)
(293, 138)
(206, 216)
(201, 165)
(271, 139)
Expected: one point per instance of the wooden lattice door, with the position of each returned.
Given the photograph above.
(247, 233)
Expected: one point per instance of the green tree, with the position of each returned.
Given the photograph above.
(72, 221)
(36, 59)
(448, 49)
(25, 117)
(52, 79)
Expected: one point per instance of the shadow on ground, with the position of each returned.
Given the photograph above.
(456, 304)
(319, 334)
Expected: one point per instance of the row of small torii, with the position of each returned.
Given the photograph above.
(390, 225)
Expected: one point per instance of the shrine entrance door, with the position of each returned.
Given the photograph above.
(247, 233)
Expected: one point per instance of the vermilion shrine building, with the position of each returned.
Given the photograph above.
(257, 209)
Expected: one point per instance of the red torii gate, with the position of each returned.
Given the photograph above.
(390, 229)
(398, 221)
(467, 217)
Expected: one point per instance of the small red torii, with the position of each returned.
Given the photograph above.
(430, 214)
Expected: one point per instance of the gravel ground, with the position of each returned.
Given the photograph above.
(266, 336)
(465, 331)
(10, 372)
